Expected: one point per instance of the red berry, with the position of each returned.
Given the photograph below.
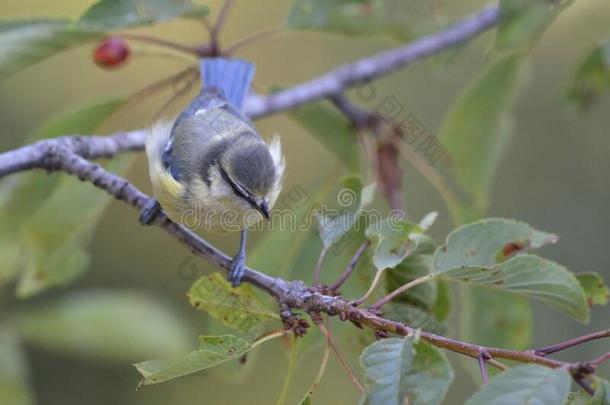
(111, 53)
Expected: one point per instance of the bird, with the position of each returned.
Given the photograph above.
(210, 168)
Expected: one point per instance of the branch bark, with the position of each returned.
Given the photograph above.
(34, 156)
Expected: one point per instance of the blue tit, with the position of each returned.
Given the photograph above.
(210, 168)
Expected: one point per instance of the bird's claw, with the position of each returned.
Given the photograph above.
(236, 270)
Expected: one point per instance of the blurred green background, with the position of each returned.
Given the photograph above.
(553, 177)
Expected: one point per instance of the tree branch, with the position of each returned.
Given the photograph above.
(90, 147)
(335, 81)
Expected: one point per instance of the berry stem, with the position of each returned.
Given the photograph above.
(161, 42)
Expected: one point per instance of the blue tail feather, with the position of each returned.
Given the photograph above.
(231, 76)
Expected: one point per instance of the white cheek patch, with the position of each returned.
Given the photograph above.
(218, 187)
(275, 149)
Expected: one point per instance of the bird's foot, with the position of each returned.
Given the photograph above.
(236, 270)
(149, 212)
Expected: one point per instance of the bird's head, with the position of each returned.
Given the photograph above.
(253, 171)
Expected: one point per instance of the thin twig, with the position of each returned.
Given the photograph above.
(401, 290)
(290, 373)
(585, 386)
(545, 351)
(207, 25)
(371, 289)
(497, 364)
(220, 21)
(482, 368)
(320, 373)
(183, 90)
(316, 273)
(162, 53)
(350, 266)
(599, 360)
(248, 40)
(269, 336)
(359, 117)
(161, 42)
(162, 83)
(345, 366)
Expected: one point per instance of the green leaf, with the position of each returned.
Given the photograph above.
(488, 242)
(495, 318)
(525, 384)
(602, 392)
(413, 267)
(416, 265)
(83, 119)
(234, 372)
(422, 306)
(238, 308)
(57, 234)
(114, 14)
(491, 316)
(353, 17)
(475, 133)
(597, 293)
(476, 254)
(592, 78)
(105, 326)
(394, 239)
(352, 199)
(401, 370)
(213, 350)
(523, 21)
(47, 220)
(14, 385)
(600, 397)
(331, 129)
(413, 316)
(22, 195)
(28, 41)
(531, 276)
(25, 42)
(442, 304)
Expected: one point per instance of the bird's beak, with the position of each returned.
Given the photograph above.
(263, 208)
